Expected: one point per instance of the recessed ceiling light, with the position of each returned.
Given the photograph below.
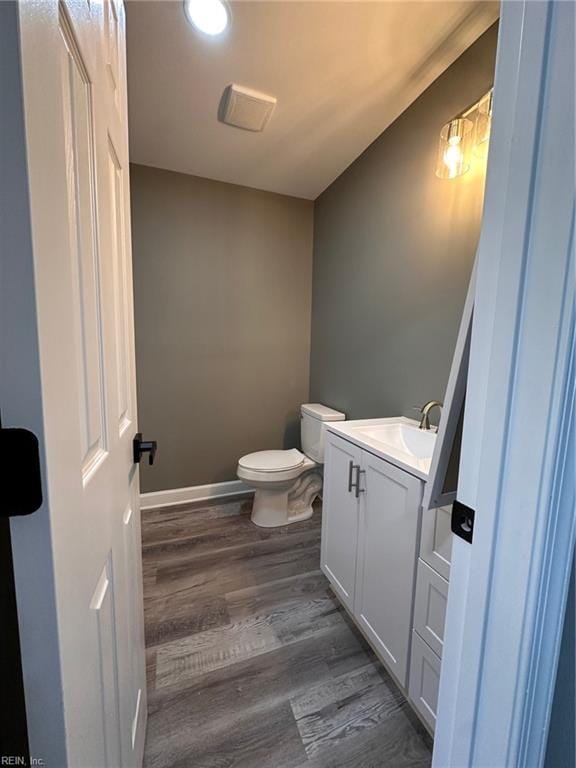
(209, 16)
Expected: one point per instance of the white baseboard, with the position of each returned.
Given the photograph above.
(174, 496)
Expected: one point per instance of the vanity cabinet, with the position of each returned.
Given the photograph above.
(436, 540)
(424, 680)
(430, 606)
(371, 519)
(430, 612)
(340, 524)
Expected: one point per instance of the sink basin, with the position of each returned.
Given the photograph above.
(402, 437)
(397, 440)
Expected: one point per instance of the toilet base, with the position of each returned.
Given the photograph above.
(276, 507)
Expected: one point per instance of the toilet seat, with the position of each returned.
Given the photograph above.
(272, 461)
(282, 467)
(286, 483)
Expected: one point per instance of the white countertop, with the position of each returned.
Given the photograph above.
(398, 440)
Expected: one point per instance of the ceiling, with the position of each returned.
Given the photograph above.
(341, 71)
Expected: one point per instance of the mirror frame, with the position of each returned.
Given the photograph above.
(435, 493)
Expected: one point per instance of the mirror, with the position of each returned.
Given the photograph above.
(442, 482)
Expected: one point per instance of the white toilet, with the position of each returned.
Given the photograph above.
(287, 482)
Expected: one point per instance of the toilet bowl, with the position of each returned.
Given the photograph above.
(287, 482)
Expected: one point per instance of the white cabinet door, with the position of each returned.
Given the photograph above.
(424, 680)
(436, 540)
(340, 515)
(389, 518)
(430, 606)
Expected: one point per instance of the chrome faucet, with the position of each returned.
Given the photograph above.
(425, 410)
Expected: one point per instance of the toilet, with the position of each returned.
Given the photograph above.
(287, 482)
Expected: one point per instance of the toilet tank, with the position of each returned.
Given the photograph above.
(313, 419)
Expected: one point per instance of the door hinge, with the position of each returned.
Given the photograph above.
(463, 521)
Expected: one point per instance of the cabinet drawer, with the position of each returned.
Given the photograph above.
(424, 680)
(430, 606)
(436, 539)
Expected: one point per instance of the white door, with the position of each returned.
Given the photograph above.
(77, 560)
(389, 524)
(340, 515)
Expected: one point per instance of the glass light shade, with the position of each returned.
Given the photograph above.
(483, 125)
(454, 149)
(209, 16)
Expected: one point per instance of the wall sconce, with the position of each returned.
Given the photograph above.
(454, 149)
(470, 131)
(483, 125)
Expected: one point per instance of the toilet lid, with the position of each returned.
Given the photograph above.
(272, 461)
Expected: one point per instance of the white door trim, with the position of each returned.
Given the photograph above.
(508, 590)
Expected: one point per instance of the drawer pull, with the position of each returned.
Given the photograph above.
(355, 485)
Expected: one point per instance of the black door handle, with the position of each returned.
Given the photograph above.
(143, 446)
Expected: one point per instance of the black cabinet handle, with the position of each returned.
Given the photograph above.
(351, 483)
(144, 446)
(357, 484)
(350, 471)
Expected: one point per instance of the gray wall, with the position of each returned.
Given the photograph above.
(222, 284)
(393, 251)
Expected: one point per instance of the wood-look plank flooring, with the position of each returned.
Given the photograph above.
(251, 661)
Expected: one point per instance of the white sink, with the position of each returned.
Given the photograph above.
(407, 438)
(398, 440)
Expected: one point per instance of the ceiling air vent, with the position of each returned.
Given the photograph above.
(244, 108)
